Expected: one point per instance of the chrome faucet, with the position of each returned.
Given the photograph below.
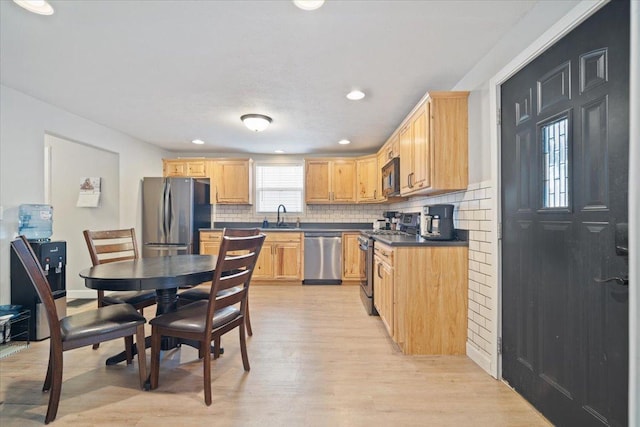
(284, 211)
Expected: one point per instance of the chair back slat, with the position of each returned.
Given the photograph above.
(38, 279)
(111, 245)
(238, 268)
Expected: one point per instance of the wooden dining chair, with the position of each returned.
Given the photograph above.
(117, 245)
(207, 320)
(202, 292)
(78, 330)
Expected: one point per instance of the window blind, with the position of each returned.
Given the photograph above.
(279, 184)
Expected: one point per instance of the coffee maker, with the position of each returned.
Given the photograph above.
(436, 222)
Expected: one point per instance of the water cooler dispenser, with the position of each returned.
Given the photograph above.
(35, 225)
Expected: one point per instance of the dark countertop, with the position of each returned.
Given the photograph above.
(305, 226)
(404, 240)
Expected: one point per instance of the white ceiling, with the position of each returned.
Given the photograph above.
(167, 72)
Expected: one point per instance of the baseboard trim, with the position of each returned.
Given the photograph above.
(480, 359)
(81, 293)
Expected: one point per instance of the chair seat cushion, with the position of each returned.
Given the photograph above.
(192, 317)
(129, 297)
(200, 293)
(100, 321)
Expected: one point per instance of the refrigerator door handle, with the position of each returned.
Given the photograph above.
(168, 218)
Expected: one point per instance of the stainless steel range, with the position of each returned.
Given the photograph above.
(409, 224)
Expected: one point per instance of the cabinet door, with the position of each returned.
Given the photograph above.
(196, 169)
(421, 148)
(368, 179)
(383, 293)
(343, 181)
(232, 181)
(287, 261)
(317, 184)
(406, 159)
(264, 265)
(174, 168)
(352, 257)
(209, 248)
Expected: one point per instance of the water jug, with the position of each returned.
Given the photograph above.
(35, 221)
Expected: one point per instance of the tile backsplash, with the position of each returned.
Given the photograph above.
(312, 213)
(472, 212)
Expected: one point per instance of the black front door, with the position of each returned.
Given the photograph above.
(565, 144)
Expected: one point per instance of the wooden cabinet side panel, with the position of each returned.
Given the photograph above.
(450, 139)
(434, 302)
(406, 159)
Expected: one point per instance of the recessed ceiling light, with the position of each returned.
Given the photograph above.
(355, 95)
(198, 141)
(308, 4)
(279, 151)
(41, 7)
(344, 142)
(256, 122)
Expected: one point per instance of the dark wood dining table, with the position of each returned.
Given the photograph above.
(163, 274)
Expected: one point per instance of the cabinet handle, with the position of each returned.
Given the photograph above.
(379, 274)
(409, 180)
(390, 155)
(375, 194)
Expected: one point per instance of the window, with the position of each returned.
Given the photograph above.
(555, 164)
(279, 184)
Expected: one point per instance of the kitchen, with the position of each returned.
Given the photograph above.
(25, 120)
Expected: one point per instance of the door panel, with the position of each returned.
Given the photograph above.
(565, 144)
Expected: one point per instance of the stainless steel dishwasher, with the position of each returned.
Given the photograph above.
(322, 258)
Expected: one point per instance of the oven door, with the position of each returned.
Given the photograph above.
(366, 285)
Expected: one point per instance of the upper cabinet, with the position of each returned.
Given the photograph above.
(231, 181)
(195, 168)
(330, 181)
(434, 145)
(390, 149)
(368, 178)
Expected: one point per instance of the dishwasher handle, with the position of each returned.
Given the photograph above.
(312, 234)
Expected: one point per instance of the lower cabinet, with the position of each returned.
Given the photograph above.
(280, 258)
(353, 259)
(421, 295)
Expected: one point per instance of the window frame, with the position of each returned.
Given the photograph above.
(257, 189)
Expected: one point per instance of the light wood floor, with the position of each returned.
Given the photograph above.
(316, 360)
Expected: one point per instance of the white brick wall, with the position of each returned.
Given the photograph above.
(473, 213)
(312, 213)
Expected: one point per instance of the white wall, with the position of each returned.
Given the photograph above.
(70, 163)
(24, 121)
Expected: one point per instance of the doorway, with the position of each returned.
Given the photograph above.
(564, 189)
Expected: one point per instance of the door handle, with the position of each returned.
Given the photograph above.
(621, 280)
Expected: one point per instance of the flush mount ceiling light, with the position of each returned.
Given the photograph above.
(197, 142)
(279, 151)
(355, 95)
(256, 122)
(344, 142)
(308, 4)
(41, 7)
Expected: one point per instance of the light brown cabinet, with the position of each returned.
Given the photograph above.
(231, 181)
(390, 149)
(280, 257)
(330, 181)
(383, 295)
(369, 182)
(195, 168)
(353, 259)
(434, 145)
(424, 309)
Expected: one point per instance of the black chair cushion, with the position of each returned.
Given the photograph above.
(100, 321)
(197, 294)
(129, 297)
(191, 317)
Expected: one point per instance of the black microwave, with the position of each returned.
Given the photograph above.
(391, 178)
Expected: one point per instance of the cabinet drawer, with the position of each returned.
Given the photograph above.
(278, 237)
(210, 236)
(385, 253)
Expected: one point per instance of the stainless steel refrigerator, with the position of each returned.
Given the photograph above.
(173, 212)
